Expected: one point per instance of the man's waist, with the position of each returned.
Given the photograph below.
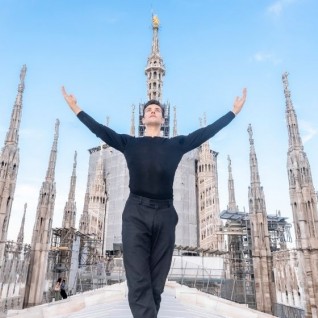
(155, 193)
(153, 203)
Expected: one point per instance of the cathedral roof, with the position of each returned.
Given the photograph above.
(111, 301)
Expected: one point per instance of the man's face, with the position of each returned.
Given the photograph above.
(153, 115)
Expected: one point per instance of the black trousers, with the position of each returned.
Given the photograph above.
(148, 235)
(63, 293)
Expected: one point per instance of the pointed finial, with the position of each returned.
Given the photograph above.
(132, 124)
(21, 232)
(57, 125)
(250, 132)
(52, 162)
(175, 133)
(12, 136)
(155, 21)
(232, 203)
(23, 72)
(56, 134)
(229, 162)
(22, 77)
(289, 104)
(75, 159)
(155, 69)
(285, 80)
(107, 121)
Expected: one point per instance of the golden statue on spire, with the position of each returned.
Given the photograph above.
(155, 21)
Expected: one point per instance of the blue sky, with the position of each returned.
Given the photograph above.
(211, 49)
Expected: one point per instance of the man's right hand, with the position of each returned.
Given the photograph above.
(239, 102)
(71, 101)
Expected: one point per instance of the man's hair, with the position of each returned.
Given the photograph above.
(153, 102)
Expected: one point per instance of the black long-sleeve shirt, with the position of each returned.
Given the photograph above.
(153, 161)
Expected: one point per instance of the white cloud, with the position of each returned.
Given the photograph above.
(308, 130)
(266, 57)
(278, 6)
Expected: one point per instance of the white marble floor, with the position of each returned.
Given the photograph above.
(170, 307)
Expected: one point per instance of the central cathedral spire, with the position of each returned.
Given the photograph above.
(155, 69)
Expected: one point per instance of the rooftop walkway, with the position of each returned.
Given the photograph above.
(111, 301)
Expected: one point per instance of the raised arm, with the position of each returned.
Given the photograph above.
(113, 139)
(71, 101)
(196, 138)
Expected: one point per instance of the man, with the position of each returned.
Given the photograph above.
(149, 218)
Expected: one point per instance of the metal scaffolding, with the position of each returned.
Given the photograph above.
(240, 285)
(70, 251)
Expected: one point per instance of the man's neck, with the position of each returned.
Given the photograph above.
(152, 131)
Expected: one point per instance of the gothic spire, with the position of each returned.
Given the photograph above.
(175, 131)
(205, 147)
(256, 193)
(255, 179)
(97, 186)
(71, 195)
(70, 206)
(294, 139)
(13, 133)
(21, 232)
(261, 253)
(45, 208)
(155, 69)
(208, 196)
(303, 200)
(9, 166)
(50, 174)
(97, 202)
(42, 231)
(132, 126)
(232, 203)
(303, 196)
(83, 224)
